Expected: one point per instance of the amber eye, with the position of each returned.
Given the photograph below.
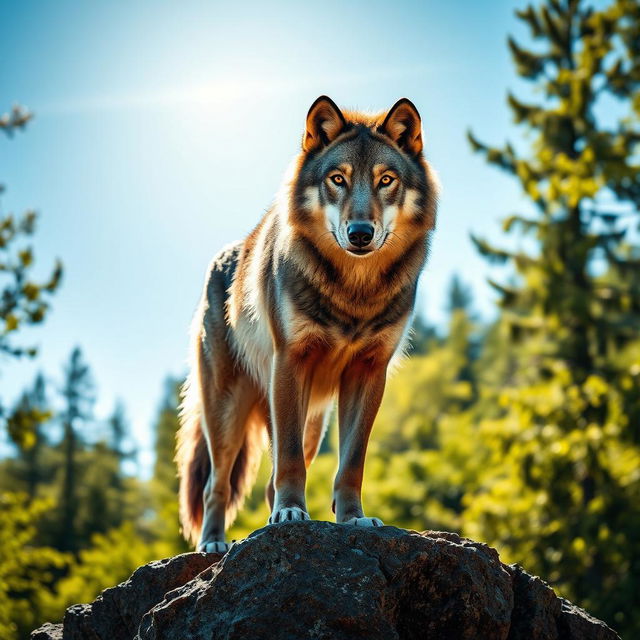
(336, 178)
(385, 181)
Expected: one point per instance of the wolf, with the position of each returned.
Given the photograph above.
(315, 303)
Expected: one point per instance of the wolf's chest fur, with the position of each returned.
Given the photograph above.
(324, 317)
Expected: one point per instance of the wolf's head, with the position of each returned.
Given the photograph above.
(362, 185)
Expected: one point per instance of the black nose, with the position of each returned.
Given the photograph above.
(360, 233)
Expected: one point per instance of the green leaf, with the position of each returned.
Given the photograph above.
(528, 64)
(26, 257)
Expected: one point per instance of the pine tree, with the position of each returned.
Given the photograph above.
(559, 492)
(77, 391)
(459, 296)
(119, 433)
(577, 162)
(461, 338)
(164, 468)
(106, 491)
(164, 483)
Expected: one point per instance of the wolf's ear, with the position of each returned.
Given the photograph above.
(403, 125)
(324, 123)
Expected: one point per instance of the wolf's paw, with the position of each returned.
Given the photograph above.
(365, 522)
(215, 546)
(288, 514)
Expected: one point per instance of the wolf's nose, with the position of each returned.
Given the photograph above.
(360, 234)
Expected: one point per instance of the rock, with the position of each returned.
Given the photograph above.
(116, 613)
(575, 622)
(321, 580)
(48, 631)
(536, 607)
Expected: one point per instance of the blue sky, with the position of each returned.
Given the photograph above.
(163, 129)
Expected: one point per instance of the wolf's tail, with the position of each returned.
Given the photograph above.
(192, 459)
(194, 467)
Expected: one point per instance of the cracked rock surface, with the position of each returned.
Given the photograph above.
(321, 580)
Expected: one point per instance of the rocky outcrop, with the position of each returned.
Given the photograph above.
(321, 580)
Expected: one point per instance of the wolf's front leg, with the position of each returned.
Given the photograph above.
(361, 390)
(289, 399)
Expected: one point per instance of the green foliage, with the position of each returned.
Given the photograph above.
(114, 524)
(460, 296)
(23, 300)
(164, 524)
(560, 492)
(77, 392)
(111, 558)
(24, 423)
(558, 488)
(27, 572)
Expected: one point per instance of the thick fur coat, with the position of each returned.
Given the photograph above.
(312, 306)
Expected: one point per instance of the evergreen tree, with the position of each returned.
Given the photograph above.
(459, 296)
(164, 483)
(118, 448)
(166, 426)
(461, 336)
(119, 434)
(106, 494)
(77, 392)
(558, 493)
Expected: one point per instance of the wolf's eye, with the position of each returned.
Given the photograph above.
(385, 181)
(336, 178)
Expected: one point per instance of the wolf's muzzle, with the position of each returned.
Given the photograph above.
(360, 234)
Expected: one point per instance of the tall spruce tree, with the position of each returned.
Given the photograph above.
(119, 433)
(164, 483)
(461, 336)
(78, 394)
(459, 297)
(106, 490)
(561, 491)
